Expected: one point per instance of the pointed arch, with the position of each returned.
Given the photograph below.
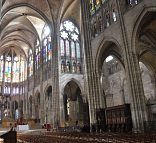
(108, 46)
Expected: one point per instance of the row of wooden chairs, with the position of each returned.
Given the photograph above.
(70, 137)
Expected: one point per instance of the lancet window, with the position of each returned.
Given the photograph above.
(102, 14)
(70, 48)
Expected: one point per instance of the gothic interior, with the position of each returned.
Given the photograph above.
(83, 62)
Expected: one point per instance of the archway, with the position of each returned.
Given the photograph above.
(110, 65)
(149, 84)
(145, 41)
(112, 81)
(76, 108)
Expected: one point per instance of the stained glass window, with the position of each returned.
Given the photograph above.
(133, 2)
(46, 52)
(17, 90)
(47, 49)
(69, 47)
(95, 5)
(8, 69)
(78, 50)
(105, 13)
(12, 70)
(22, 70)
(46, 45)
(72, 49)
(16, 69)
(7, 90)
(92, 7)
(30, 68)
(37, 57)
(1, 67)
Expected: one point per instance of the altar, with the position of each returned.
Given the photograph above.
(22, 127)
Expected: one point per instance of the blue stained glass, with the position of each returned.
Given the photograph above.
(44, 50)
(49, 46)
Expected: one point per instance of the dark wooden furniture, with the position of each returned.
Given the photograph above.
(115, 119)
(118, 118)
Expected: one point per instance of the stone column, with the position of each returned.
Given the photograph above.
(55, 78)
(92, 77)
(138, 108)
(98, 90)
(25, 107)
(27, 101)
(42, 103)
(33, 107)
(62, 110)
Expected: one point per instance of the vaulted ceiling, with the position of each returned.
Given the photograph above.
(22, 21)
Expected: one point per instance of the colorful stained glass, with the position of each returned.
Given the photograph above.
(92, 7)
(97, 5)
(9, 72)
(17, 72)
(44, 53)
(22, 70)
(14, 71)
(49, 51)
(6, 71)
(12, 68)
(30, 68)
(37, 59)
(1, 69)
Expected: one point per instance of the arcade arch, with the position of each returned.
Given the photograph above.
(76, 108)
